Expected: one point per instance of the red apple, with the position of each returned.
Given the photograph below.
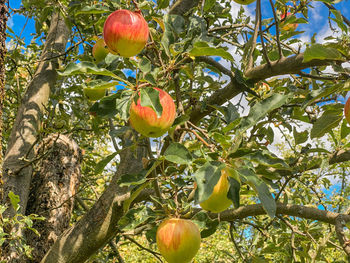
(347, 110)
(218, 201)
(125, 32)
(99, 50)
(287, 27)
(178, 240)
(145, 120)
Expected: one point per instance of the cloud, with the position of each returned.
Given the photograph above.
(315, 12)
(10, 22)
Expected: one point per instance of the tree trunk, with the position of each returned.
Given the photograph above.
(3, 21)
(52, 191)
(17, 168)
(100, 224)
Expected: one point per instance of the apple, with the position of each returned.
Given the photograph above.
(178, 240)
(244, 2)
(125, 32)
(346, 110)
(218, 201)
(145, 120)
(94, 93)
(287, 27)
(99, 50)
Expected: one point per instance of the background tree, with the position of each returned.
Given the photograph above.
(212, 57)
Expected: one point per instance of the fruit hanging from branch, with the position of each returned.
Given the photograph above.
(347, 110)
(244, 2)
(218, 201)
(145, 120)
(99, 50)
(94, 93)
(178, 240)
(125, 32)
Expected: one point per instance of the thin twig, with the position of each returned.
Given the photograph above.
(234, 241)
(347, 21)
(277, 30)
(155, 254)
(258, 6)
(255, 37)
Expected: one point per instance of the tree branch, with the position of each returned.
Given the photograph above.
(3, 21)
(27, 125)
(344, 242)
(181, 7)
(100, 223)
(282, 209)
(289, 65)
(219, 97)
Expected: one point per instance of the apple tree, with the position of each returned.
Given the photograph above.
(221, 121)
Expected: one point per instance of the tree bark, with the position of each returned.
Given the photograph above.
(52, 191)
(288, 65)
(17, 169)
(100, 224)
(3, 21)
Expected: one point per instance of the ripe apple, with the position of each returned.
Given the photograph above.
(94, 93)
(218, 201)
(244, 2)
(287, 27)
(347, 110)
(145, 121)
(99, 50)
(178, 240)
(125, 32)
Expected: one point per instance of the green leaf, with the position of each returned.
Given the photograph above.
(300, 137)
(106, 107)
(208, 4)
(95, 9)
(132, 179)
(266, 158)
(318, 51)
(241, 152)
(14, 200)
(206, 178)
(233, 193)
(261, 109)
(314, 95)
(145, 65)
(173, 24)
(119, 132)
(224, 140)
(150, 98)
(162, 4)
(181, 120)
(339, 20)
(229, 111)
(100, 166)
(85, 67)
(329, 120)
(122, 107)
(208, 225)
(177, 153)
(200, 50)
(135, 217)
(265, 197)
(345, 129)
(270, 135)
